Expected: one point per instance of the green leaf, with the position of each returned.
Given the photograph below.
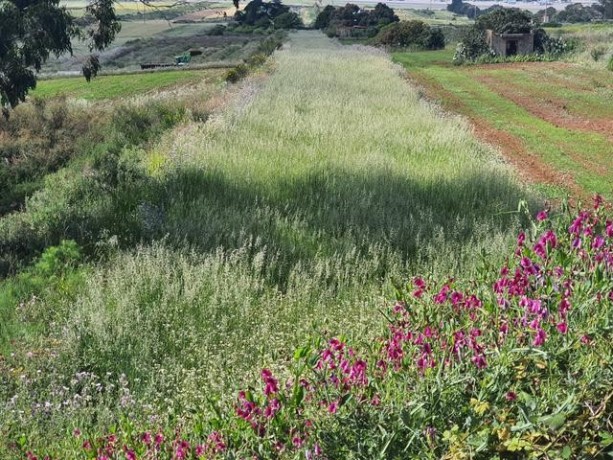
(554, 421)
(300, 353)
(566, 452)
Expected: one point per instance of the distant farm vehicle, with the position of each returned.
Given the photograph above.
(180, 60)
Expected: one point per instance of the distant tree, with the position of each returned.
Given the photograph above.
(579, 13)
(323, 18)
(382, 15)
(261, 14)
(506, 20)
(236, 3)
(607, 8)
(32, 30)
(410, 33)
(289, 20)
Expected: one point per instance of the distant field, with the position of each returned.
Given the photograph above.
(113, 86)
(554, 121)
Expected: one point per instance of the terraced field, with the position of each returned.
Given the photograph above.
(553, 121)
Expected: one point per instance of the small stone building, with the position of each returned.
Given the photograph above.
(510, 44)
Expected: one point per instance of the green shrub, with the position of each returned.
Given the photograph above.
(472, 46)
(218, 29)
(610, 64)
(237, 73)
(289, 20)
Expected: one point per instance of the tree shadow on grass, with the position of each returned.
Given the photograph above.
(333, 213)
(327, 213)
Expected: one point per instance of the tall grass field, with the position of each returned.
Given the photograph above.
(290, 216)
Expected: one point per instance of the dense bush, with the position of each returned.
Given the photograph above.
(258, 13)
(39, 138)
(410, 34)
(351, 21)
(514, 363)
(506, 21)
(472, 46)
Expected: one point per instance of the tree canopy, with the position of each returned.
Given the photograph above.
(32, 30)
(506, 20)
(264, 14)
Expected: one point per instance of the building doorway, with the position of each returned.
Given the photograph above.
(511, 48)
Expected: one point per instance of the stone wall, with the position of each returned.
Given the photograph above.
(510, 44)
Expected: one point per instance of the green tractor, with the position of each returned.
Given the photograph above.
(186, 57)
(183, 59)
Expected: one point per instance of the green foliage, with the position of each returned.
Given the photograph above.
(266, 47)
(218, 29)
(29, 33)
(323, 18)
(288, 20)
(238, 73)
(472, 46)
(32, 31)
(259, 13)
(53, 276)
(577, 13)
(38, 139)
(610, 64)
(410, 34)
(279, 210)
(352, 21)
(506, 20)
(464, 9)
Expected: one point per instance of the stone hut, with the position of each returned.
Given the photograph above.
(507, 44)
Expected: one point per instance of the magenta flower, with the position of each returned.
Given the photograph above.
(333, 407)
(146, 438)
(272, 408)
(271, 385)
(598, 242)
(441, 297)
(217, 440)
(510, 396)
(479, 361)
(539, 338)
(541, 216)
(130, 454)
(562, 327)
(598, 200)
(297, 441)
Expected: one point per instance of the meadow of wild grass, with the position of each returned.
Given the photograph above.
(552, 119)
(205, 251)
